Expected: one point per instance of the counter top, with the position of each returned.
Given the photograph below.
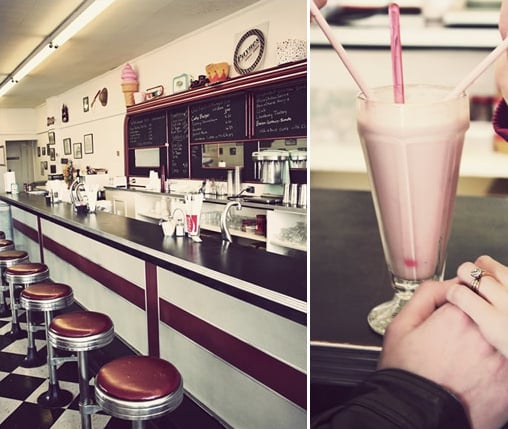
(274, 282)
(349, 274)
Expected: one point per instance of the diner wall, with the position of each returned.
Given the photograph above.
(281, 19)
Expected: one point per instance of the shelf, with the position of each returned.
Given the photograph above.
(235, 232)
(289, 244)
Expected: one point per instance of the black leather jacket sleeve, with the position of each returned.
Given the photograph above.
(396, 399)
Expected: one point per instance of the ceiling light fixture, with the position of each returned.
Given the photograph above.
(67, 29)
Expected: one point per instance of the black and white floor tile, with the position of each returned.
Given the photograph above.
(20, 387)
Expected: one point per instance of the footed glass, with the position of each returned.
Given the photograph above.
(412, 152)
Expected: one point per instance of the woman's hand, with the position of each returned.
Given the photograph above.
(439, 342)
(489, 307)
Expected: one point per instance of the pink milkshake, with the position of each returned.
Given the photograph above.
(413, 153)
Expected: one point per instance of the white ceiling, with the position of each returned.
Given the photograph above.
(127, 29)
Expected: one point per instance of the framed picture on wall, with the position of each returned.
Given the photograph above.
(51, 137)
(39, 151)
(88, 143)
(52, 154)
(67, 146)
(2, 155)
(78, 151)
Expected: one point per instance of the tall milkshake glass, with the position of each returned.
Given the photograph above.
(413, 152)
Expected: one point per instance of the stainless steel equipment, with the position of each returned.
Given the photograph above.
(271, 166)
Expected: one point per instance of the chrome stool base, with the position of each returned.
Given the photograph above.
(55, 397)
(81, 332)
(8, 258)
(33, 358)
(23, 274)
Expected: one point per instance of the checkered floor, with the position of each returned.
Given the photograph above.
(20, 387)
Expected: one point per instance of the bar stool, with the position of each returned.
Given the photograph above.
(8, 258)
(45, 297)
(81, 332)
(4, 245)
(138, 388)
(23, 274)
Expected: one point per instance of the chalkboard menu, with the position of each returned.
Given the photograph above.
(281, 111)
(178, 143)
(222, 119)
(147, 130)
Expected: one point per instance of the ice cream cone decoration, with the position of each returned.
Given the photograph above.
(130, 84)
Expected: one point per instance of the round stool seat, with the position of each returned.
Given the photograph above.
(138, 388)
(12, 257)
(81, 331)
(46, 297)
(29, 272)
(6, 244)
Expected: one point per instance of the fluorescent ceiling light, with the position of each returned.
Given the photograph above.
(67, 30)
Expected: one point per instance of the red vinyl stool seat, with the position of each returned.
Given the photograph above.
(22, 274)
(6, 244)
(138, 388)
(7, 259)
(81, 332)
(45, 297)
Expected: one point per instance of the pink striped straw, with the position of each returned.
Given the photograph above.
(396, 51)
(321, 21)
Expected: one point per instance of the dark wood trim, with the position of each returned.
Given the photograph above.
(278, 376)
(110, 280)
(273, 75)
(26, 230)
(152, 309)
(40, 239)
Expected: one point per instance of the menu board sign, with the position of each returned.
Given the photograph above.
(178, 143)
(147, 130)
(218, 120)
(281, 111)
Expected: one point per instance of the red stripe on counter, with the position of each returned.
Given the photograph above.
(278, 376)
(26, 230)
(110, 280)
(152, 309)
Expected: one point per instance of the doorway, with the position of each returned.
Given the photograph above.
(20, 156)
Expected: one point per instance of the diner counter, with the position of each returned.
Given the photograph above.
(232, 319)
(349, 275)
(274, 282)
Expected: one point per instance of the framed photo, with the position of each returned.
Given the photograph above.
(67, 146)
(39, 151)
(78, 151)
(42, 168)
(51, 137)
(52, 154)
(2, 155)
(86, 105)
(44, 151)
(45, 165)
(88, 143)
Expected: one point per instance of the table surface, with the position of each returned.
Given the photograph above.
(348, 274)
